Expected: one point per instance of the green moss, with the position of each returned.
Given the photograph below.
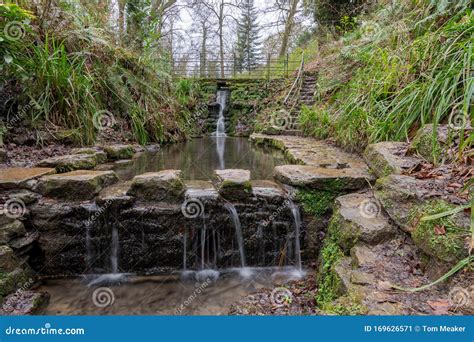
(429, 235)
(329, 283)
(316, 202)
(350, 304)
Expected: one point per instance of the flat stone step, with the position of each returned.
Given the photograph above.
(234, 184)
(166, 185)
(293, 132)
(323, 178)
(201, 190)
(75, 185)
(17, 177)
(309, 151)
(71, 162)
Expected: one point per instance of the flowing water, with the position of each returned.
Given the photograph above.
(297, 217)
(238, 231)
(191, 293)
(198, 158)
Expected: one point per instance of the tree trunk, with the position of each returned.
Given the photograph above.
(221, 37)
(121, 19)
(288, 27)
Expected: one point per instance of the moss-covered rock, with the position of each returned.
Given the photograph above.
(8, 260)
(115, 152)
(10, 229)
(429, 143)
(166, 185)
(10, 281)
(445, 238)
(70, 162)
(76, 185)
(359, 217)
(387, 157)
(234, 184)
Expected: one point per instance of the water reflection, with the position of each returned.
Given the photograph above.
(199, 158)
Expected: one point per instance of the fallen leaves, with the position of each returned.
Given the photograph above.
(439, 306)
(439, 230)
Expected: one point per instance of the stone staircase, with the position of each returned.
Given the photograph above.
(306, 97)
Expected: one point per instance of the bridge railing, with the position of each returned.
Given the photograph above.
(268, 67)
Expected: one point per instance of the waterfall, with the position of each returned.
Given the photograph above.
(238, 231)
(221, 98)
(185, 243)
(114, 250)
(297, 218)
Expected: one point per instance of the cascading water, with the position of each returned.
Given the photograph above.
(221, 99)
(297, 219)
(114, 250)
(238, 231)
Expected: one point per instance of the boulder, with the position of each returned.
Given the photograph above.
(362, 256)
(399, 195)
(3, 155)
(25, 303)
(405, 200)
(8, 260)
(76, 185)
(70, 162)
(429, 144)
(387, 157)
(10, 281)
(26, 196)
(115, 152)
(323, 178)
(19, 177)
(10, 229)
(166, 185)
(234, 184)
(359, 218)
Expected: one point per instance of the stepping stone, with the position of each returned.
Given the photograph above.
(201, 190)
(234, 184)
(70, 162)
(100, 155)
(115, 194)
(116, 152)
(359, 218)
(268, 191)
(388, 157)
(166, 185)
(17, 177)
(76, 185)
(322, 178)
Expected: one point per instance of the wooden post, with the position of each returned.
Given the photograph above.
(287, 63)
